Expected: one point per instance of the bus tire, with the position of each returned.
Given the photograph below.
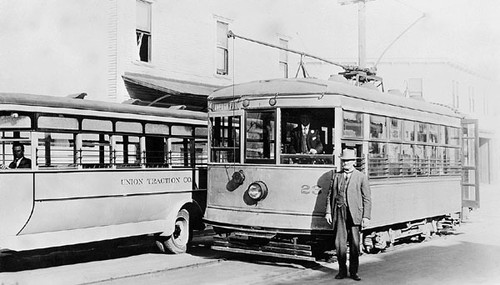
(178, 241)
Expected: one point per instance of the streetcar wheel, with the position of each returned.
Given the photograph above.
(178, 241)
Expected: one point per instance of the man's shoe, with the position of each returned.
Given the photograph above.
(355, 277)
(340, 276)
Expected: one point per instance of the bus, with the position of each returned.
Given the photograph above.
(267, 198)
(99, 171)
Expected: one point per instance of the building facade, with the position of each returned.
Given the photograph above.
(167, 53)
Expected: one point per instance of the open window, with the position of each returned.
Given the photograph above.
(307, 136)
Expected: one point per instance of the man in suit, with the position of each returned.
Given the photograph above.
(305, 139)
(348, 209)
(19, 160)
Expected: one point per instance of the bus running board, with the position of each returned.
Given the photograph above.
(285, 250)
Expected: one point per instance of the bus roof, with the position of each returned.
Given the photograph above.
(91, 105)
(313, 86)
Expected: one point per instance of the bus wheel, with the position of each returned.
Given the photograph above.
(177, 242)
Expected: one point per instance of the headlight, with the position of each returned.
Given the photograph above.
(257, 190)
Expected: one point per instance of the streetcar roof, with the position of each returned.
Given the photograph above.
(61, 103)
(312, 86)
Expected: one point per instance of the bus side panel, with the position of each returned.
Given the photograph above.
(414, 198)
(66, 200)
(16, 201)
(296, 197)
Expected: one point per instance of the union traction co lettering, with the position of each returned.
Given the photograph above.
(151, 181)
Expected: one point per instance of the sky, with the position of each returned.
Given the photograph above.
(465, 31)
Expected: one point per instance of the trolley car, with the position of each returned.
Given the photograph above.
(266, 198)
(99, 171)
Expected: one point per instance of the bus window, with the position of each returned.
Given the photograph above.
(56, 150)
(6, 142)
(127, 151)
(95, 151)
(319, 141)
(156, 152)
(225, 139)
(260, 136)
(180, 152)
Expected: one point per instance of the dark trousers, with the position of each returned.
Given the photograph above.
(346, 231)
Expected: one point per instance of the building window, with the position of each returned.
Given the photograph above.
(222, 48)
(283, 61)
(472, 107)
(143, 31)
(456, 98)
(415, 89)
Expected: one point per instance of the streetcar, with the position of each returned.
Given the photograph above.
(99, 171)
(266, 198)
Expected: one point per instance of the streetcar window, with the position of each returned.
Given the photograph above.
(378, 127)
(225, 139)
(319, 145)
(377, 159)
(353, 124)
(393, 155)
(441, 134)
(407, 160)
(260, 136)
(394, 129)
(408, 131)
(422, 132)
(56, 150)
(433, 133)
(452, 136)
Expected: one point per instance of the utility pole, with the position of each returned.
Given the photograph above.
(361, 34)
(361, 29)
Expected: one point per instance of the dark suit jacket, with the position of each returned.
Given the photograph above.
(313, 140)
(358, 196)
(25, 163)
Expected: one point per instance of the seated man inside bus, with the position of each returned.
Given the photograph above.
(20, 161)
(305, 138)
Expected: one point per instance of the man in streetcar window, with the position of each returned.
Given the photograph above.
(19, 160)
(305, 138)
(348, 210)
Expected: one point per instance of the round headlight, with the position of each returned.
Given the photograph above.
(257, 190)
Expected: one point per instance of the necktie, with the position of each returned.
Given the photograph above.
(304, 142)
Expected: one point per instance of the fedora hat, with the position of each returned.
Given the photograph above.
(348, 154)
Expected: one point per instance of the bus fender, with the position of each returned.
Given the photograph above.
(187, 204)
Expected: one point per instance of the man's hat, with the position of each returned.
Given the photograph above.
(348, 154)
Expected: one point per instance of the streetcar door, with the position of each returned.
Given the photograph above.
(470, 161)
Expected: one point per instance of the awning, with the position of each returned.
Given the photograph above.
(165, 92)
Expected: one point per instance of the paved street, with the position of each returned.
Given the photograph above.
(471, 255)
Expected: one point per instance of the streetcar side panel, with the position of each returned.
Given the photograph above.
(403, 200)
